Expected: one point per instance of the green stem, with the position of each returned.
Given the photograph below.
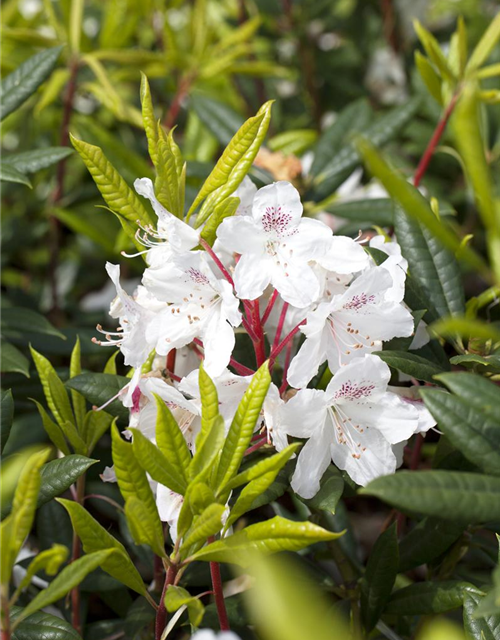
(6, 631)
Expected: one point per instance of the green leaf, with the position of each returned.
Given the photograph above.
(472, 431)
(480, 393)
(98, 388)
(433, 50)
(53, 430)
(207, 524)
(424, 598)
(55, 393)
(63, 412)
(119, 197)
(253, 490)
(69, 577)
(177, 597)
(271, 463)
(217, 116)
(376, 211)
(451, 495)
(431, 79)
(171, 443)
(75, 24)
(21, 320)
(481, 364)
(411, 364)
(169, 184)
(419, 214)
(462, 326)
(485, 46)
(132, 479)
(208, 448)
(94, 537)
(42, 625)
(12, 360)
(8, 173)
(155, 463)
(148, 118)
(25, 80)
(379, 133)
(426, 541)
(48, 560)
(271, 536)
(243, 425)
(209, 402)
(484, 628)
(31, 161)
(379, 577)
(142, 527)
(234, 163)
(6, 416)
(224, 209)
(95, 425)
(58, 475)
(330, 492)
(78, 401)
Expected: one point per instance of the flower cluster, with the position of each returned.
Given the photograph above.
(306, 298)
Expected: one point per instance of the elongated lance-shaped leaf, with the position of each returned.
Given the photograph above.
(58, 475)
(485, 46)
(253, 490)
(48, 560)
(276, 461)
(427, 540)
(224, 209)
(431, 79)
(470, 143)
(142, 528)
(53, 430)
(424, 598)
(132, 479)
(208, 449)
(198, 497)
(209, 402)
(170, 169)
(156, 464)
(148, 119)
(271, 536)
(78, 401)
(205, 525)
(11, 174)
(6, 416)
(70, 577)
(379, 578)
(243, 425)
(234, 163)
(171, 441)
(479, 628)
(94, 537)
(177, 597)
(25, 80)
(411, 364)
(433, 50)
(118, 195)
(31, 161)
(415, 205)
(95, 425)
(42, 625)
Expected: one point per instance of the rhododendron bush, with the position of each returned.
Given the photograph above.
(285, 426)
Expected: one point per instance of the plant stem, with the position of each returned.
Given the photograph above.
(288, 357)
(275, 352)
(259, 345)
(256, 446)
(75, 592)
(175, 105)
(219, 595)
(161, 614)
(433, 142)
(240, 368)
(269, 307)
(279, 328)
(217, 261)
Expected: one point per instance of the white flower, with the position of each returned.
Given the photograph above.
(208, 634)
(349, 325)
(172, 234)
(276, 245)
(353, 423)
(200, 306)
(169, 506)
(395, 264)
(246, 193)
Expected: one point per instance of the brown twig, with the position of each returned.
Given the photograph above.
(175, 105)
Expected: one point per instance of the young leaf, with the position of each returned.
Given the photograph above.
(155, 463)
(433, 50)
(429, 76)
(253, 490)
(6, 416)
(94, 537)
(25, 80)
(271, 463)
(209, 402)
(69, 577)
(171, 442)
(177, 597)
(142, 528)
(75, 369)
(148, 118)
(53, 430)
(205, 525)
(379, 578)
(424, 598)
(223, 210)
(55, 393)
(118, 195)
(243, 425)
(485, 46)
(95, 425)
(49, 561)
(208, 448)
(411, 364)
(271, 536)
(451, 495)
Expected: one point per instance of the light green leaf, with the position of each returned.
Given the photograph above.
(177, 597)
(209, 403)
(155, 463)
(171, 442)
(276, 461)
(69, 577)
(6, 416)
(207, 524)
(411, 364)
(253, 490)
(433, 50)
(169, 185)
(379, 577)
(53, 430)
(223, 210)
(485, 46)
(8, 173)
(451, 495)
(25, 80)
(75, 24)
(466, 328)
(271, 536)
(424, 598)
(12, 360)
(143, 529)
(148, 118)
(208, 450)
(243, 425)
(49, 560)
(95, 425)
(429, 76)
(78, 401)
(120, 198)
(53, 388)
(94, 537)
(31, 161)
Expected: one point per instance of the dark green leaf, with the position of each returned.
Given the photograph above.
(31, 161)
(42, 625)
(6, 416)
(218, 117)
(379, 577)
(25, 80)
(330, 492)
(58, 475)
(376, 211)
(480, 628)
(426, 541)
(98, 388)
(423, 598)
(12, 360)
(8, 173)
(21, 320)
(411, 364)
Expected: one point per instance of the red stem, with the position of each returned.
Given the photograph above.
(275, 352)
(256, 446)
(170, 363)
(240, 368)
(433, 142)
(269, 307)
(279, 328)
(288, 357)
(161, 614)
(175, 105)
(259, 345)
(217, 261)
(219, 594)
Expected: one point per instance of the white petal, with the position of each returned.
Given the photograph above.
(296, 282)
(277, 209)
(246, 193)
(240, 234)
(306, 363)
(218, 341)
(313, 461)
(252, 275)
(362, 380)
(344, 256)
(304, 414)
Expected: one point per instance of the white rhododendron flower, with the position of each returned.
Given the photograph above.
(208, 634)
(276, 245)
(353, 323)
(353, 423)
